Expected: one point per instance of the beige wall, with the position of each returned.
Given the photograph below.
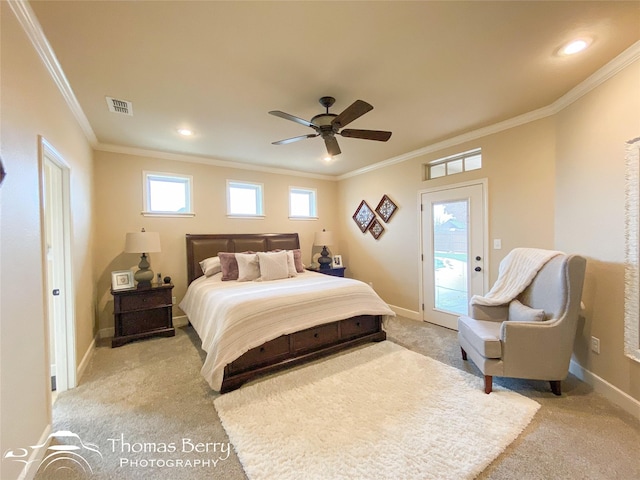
(519, 166)
(590, 220)
(31, 105)
(118, 179)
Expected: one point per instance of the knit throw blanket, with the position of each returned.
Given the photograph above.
(516, 272)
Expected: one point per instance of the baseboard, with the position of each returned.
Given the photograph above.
(85, 360)
(403, 312)
(181, 321)
(31, 468)
(610, 392)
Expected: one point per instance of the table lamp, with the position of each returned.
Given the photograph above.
(323, 239)
(143, 242)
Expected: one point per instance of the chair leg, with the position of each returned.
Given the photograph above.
(555, 387)
(488, 384)
(464, 354)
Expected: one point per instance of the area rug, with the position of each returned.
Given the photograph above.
(380, 412)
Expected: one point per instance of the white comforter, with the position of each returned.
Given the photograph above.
(233, 317)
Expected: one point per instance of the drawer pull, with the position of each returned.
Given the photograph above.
(261, 349)
(315, 335)
(357, 324)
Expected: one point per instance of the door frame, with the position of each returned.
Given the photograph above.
(484, 182)
(64, 331)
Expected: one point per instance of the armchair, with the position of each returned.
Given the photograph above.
(531, 337)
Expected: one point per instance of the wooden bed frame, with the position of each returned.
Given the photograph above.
(287, 350)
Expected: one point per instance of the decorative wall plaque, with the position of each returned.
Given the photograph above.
(376, 228)
(363, 216)
(386, 208)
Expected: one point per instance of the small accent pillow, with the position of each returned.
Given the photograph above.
(229, 265)
(211, 266)
(248, 267)
(519, 312)
(297, 258)
(273, 265)
(291, 264)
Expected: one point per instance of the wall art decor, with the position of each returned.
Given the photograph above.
(376, 228)
(632, 254)
(386, 208)
(363, 216)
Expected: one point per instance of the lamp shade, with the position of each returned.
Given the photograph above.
(142, 242)
(323, 238)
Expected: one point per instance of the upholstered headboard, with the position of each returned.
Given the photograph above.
(201, 246)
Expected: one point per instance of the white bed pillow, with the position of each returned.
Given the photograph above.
(248, 267)
(211, 266)
(273, 265)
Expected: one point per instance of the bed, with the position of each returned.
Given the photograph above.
(252, 328)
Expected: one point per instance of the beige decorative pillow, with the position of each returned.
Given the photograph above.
(273, 265)
(211, 266)
(248, 267)
(518, 312)
(291, 264)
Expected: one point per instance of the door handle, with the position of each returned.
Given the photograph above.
(478, 269)
(56, 292)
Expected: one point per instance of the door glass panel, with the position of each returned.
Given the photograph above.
(450, 253)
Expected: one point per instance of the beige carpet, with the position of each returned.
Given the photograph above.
(380, 412)
(152, 391)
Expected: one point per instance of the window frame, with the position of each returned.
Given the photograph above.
(257, 187)
(452, 160)
(313, 203)
(187, 180)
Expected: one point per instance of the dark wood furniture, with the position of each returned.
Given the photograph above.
(333, 271)
(286, 350)
(142, 313)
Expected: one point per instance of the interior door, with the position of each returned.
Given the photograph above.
(56, 246)
(453, 251)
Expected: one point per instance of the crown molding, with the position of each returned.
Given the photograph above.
(179, 157)
(27, 19)
(603, 74)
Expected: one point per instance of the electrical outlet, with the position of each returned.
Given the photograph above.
(595, 344)
(173, 300)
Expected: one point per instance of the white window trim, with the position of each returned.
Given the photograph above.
(315, 203)
(260, 200)
(147, 212)
(450, 159)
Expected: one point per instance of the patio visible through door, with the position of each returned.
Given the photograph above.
(453, 240)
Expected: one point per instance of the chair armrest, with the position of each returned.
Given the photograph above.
(492, 313)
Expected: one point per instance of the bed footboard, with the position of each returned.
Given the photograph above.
(303, 346)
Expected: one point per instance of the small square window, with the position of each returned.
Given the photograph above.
(302, 203)
(167, 194)
(244, 199)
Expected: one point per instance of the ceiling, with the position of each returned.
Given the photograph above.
(432, 70)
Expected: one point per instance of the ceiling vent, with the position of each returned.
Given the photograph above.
(123, 107)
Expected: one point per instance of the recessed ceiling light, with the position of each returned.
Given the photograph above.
(185, 132)
(328, 158)
(575, 46)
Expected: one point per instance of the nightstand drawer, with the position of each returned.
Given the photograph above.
(150, 299)
(142, 321)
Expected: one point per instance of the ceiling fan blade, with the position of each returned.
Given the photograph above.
(333, 148)
(378, 135)
(294, 139)
(355, 110)
(287, 116)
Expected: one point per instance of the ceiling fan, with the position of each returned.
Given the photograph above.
(327, 125)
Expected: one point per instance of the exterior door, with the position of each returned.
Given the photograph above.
(453, 251)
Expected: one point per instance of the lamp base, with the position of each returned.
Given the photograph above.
(324, 259)
(144, 275)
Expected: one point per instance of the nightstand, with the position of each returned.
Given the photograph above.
(141, 313)
(336, 271)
